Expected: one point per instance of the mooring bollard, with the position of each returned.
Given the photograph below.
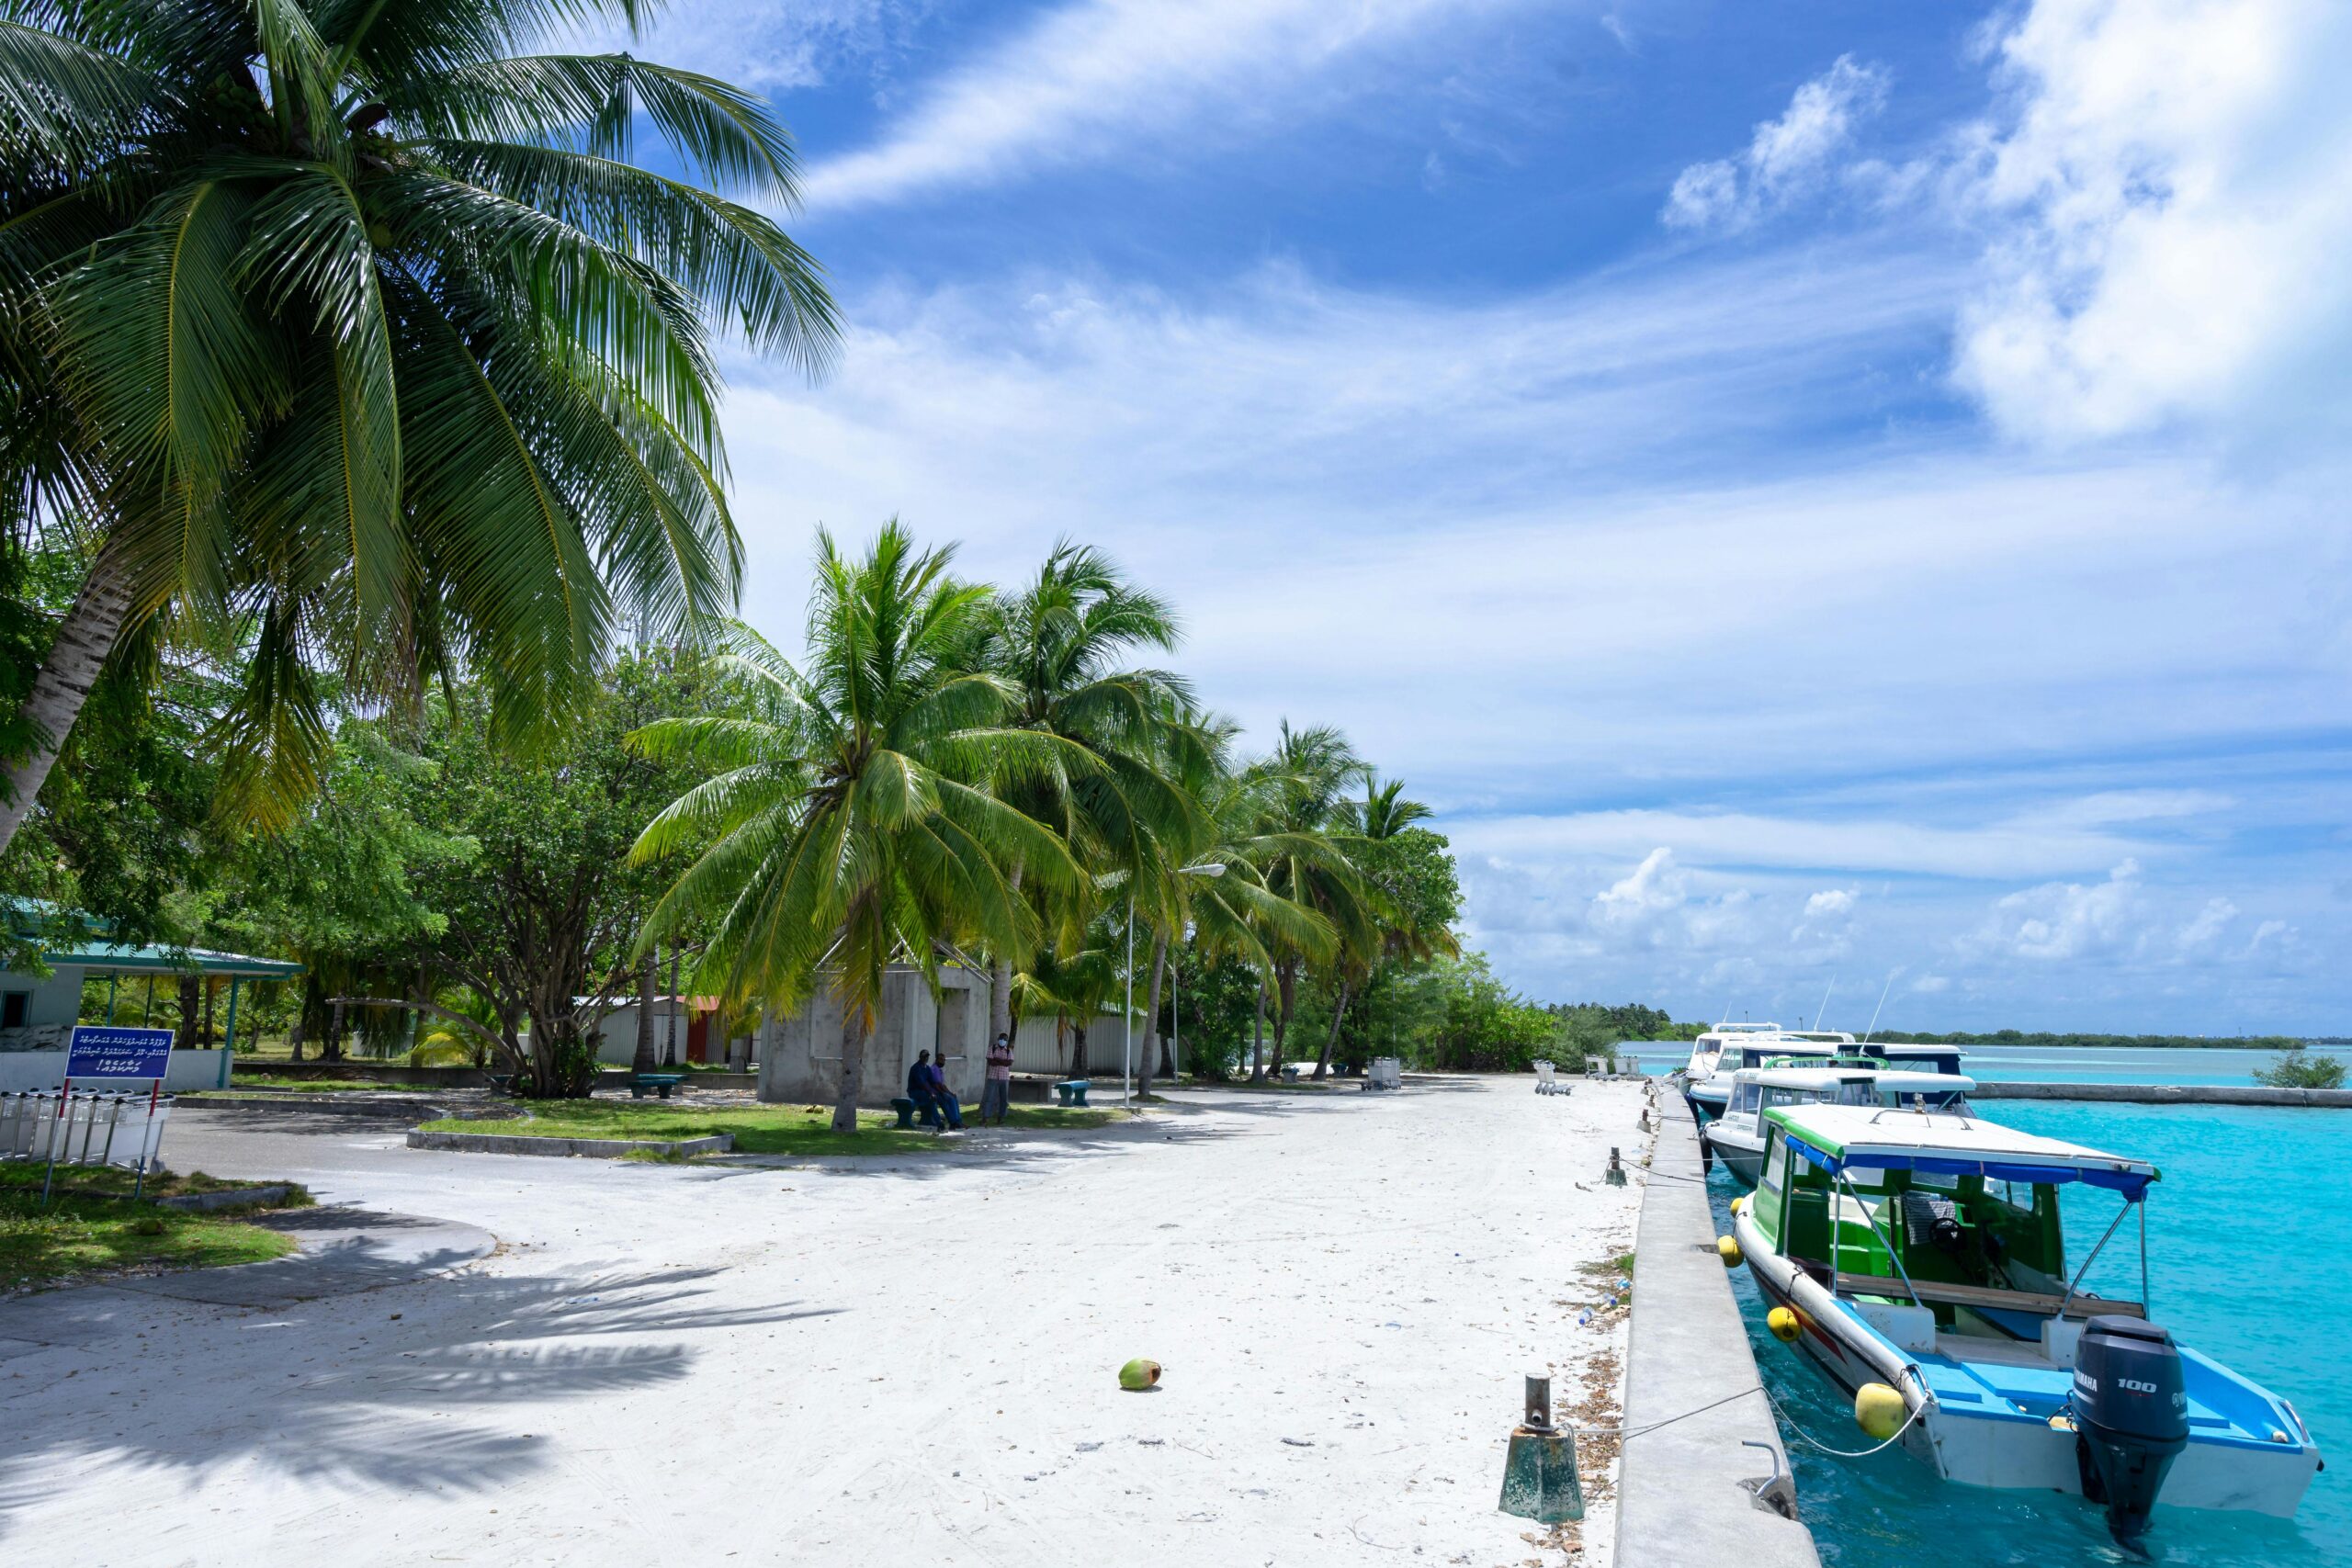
(1540, 1479)
(1615, 1175)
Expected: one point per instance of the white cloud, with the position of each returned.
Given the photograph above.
(2202, 932)
(1932, 984)
(2062, 920)
(1787, 157)
(1650, 889)
(771, 49)
(1094, 78)
(1829, 901)
(2171, 191)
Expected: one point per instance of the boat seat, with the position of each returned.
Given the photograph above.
(2033, 1301)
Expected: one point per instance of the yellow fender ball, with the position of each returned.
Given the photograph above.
(1738, 1203)
(1139, 1375)
(1879, 1410)
(1784, 1325)
(1728, 1250)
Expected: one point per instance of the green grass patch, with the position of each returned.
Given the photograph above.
(90, 1228)
(759, 1129)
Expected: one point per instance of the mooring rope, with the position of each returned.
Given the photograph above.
(1790, 1421)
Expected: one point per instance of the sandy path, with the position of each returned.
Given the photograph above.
(876, 1365)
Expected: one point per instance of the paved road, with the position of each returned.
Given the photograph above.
(878, 1362)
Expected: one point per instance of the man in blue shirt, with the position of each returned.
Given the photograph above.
(943, 1098)
(918, 1090)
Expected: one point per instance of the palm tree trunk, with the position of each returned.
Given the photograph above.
(854, 1028)
(669, 1026)
(1339, 1011)
(642, 1062)
(1257, 1039)
(1286, 998)
(1001, 982)
(83, 640)
(1151, 1010)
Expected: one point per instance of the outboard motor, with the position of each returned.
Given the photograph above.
(2131, 1418)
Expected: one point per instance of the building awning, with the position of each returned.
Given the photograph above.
(71, 939)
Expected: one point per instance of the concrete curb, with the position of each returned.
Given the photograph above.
(358, 1102)
(2168, 1093)
(1692, 1492)
(602, 1148)
(234, 1198)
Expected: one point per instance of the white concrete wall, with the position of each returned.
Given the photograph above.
(46, 1070)
(800, 1056)
(53, 1007)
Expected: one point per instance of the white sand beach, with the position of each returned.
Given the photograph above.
(906, 1361)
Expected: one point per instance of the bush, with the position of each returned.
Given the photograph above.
(2294, 1069)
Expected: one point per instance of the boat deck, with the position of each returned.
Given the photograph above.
(2006, 1379)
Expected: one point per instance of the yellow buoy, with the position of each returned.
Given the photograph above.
(1879, 1410)
(1738, 1203)
(1728, 1250)
(1784, 1325)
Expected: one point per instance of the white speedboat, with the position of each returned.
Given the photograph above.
(1753, 1046)
(1917, 1259)
(1735, 1139)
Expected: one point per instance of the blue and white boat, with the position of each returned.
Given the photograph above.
(1727, 1047)
(1917, 1259)
(1735, 1139)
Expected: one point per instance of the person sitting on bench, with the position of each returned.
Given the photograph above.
(918, 1090)
(944, 1101)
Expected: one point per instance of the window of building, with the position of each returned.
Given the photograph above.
(15, 1007)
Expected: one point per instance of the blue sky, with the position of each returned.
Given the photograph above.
(1817, 494)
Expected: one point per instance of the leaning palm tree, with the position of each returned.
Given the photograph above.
(352, 325)
(845, 828)
(1060, 644)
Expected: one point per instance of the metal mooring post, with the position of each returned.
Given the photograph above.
(1615, 1175)
(1540, 1474)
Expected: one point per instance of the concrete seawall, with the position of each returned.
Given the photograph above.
(1700, 1490)
(2168, 1093)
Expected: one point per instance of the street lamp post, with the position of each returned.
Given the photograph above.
(1127, 1032)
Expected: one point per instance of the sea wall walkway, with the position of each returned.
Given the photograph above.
(2167, 1093)
(1701, 1489)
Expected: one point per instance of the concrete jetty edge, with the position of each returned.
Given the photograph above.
(2167, 1093)
(1700, 1490)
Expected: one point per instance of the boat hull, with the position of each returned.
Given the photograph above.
(1742, 1157)
(2006, 1447)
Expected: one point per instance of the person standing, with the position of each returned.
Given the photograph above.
(996, 1092)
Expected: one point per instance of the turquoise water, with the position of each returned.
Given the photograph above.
(2247, 1263)
(2032, 1063)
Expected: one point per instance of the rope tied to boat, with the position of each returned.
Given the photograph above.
(1790, 1423)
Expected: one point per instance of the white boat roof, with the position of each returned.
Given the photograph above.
(1913, 1048)
(1892, 1081)
(1745, 1029)
(1862, 1136)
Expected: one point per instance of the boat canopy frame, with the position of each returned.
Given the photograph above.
(2132, 1184)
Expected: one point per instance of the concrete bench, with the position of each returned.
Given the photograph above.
(660, 1083)
(1073, 1090)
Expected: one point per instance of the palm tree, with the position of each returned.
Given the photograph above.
(1058, 644)
(845, 827)
(1361, 826)
(1382, 813)
(353, 326)
(1316, 764)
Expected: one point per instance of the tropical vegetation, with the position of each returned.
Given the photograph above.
(344, 345)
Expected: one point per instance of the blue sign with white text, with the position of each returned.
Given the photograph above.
(102, 1051)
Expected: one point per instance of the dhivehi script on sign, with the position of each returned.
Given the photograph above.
(102, 1051)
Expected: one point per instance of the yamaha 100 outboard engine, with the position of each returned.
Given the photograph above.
(2131, 1418)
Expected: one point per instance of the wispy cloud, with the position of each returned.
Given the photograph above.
(1789, 156)
(1103, 79)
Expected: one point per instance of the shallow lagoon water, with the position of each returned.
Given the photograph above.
(2248, 1261)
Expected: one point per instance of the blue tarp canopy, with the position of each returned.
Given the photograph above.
(2132, 1184)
